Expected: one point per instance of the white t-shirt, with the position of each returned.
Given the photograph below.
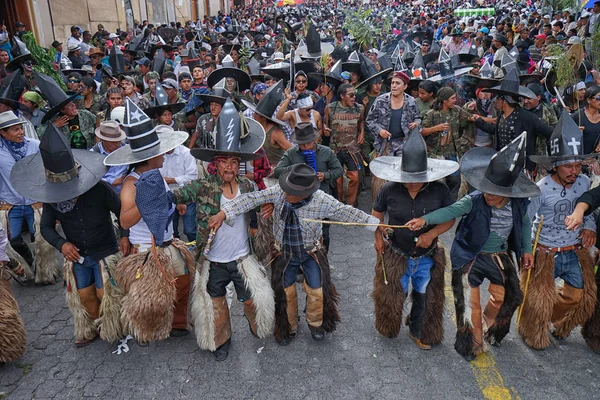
(230, 242)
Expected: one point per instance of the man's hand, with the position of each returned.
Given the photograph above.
(250, 175)
(170, 181)
(326, 131)
(574, 220)
(70, 252)
(416, 224)
(216, 220)
(588, 238)
(181, 209)
(321, 176)
(527, 261)
(361, 139)
(125, 246)
(379, 244)
(413, 125)
(385, 134)
(119, 180)
(442, 127)
(61, 121)
(425, 240)
(266, 210)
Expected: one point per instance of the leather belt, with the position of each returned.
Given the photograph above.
(559, 249)
(6, 206)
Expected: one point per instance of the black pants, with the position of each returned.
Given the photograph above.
(219, 277)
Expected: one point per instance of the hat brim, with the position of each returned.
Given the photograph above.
(351, 67)
(430, 57)
(56, 109)
(228, 47)
(320, 78)
(326, 48)
(15, 63)
(313, 138)
(122, 135)
(287, 188)
(28, 177)
(549, 160)
(480, 82)
(252, 107)
(473, 167)
(154, 112)
(209, 98)
(124, 156)
(242, 78)
(459, 71)
(15, 105)
(248, 146)
(380, 74)
(526, 79)
(389, 168)
(523, 92)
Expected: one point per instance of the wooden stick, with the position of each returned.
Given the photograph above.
(535, 243)
(355, 223)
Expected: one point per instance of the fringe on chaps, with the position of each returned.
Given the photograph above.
(85, 327)
(109, 321)
(389, 299)
(255, 280)
(541, 297)
(47, 258)
(263, 242)
(150, 296)
(331, 316)
(13, 338)
(591, 329)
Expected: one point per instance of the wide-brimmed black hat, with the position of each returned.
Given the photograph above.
(301, 180)
(235, 137)
(333, 76)
(314, 48)
(369, 72)
(57, 173)
(228, 70)
(20, 53)
(456, 32)
(485, 79)
(161, 100)
(305, 133)
(144, 141)
(499, 173)
(56, 97)
(269, 102)
(413, 166)
(11, 89)
(219, 93)
(231, 46)
(352, 64)
(511, 86)
(566, 143)
(448, 70)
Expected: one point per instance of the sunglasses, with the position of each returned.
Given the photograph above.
(302, 81)
(308, 109)
(73, 80)
(596, 98)
(351, 95)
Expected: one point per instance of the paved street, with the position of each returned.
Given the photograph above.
(355, 362)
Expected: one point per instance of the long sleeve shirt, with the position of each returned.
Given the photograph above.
(320, 207)
(7, 193)
(3, 245)
(181, 166)
(555, 203)
(500, 224)
(88, 226)
(114, 172)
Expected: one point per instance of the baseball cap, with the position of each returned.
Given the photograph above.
(546, 16)
(574, 40)
(56, 43)
(484, 30)
(143, 61)
(170, 84)
(540, 36)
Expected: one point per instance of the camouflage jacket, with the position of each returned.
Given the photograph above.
(87, 124)
(206, 193)
(462, 132)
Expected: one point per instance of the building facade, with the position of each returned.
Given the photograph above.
(51, 20)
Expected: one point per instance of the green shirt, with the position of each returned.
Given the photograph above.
(495, 243)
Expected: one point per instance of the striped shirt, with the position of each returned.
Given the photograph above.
(322, 206)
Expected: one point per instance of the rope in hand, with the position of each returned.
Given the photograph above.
(355, 223)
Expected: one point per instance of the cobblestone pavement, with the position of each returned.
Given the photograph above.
(354, 362)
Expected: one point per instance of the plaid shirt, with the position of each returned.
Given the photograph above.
(322, 206)
(292, 233)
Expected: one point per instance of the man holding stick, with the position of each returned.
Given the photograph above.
(404, 255)
(298, 242)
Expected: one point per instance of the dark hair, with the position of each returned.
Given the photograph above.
(429, 87)
(140, 85)
(114, 90)
(343, 87)
(591, 91)
(75, 75)
(88, 82)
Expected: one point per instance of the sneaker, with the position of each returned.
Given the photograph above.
(418, 342)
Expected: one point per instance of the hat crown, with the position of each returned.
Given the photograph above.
(353, 57)
(271, 100)
(506, 165)
(511, 81)
(160, 96)
(48, 86)
(228, 129)
(384, 62)
(158, 62)
(220, 89)
(227, 62)
(486, 70)
(301, 175)
(367, 67)
(336, 70)
(116, 60)
(56, 153)
(253, 66)
(12, 86)
(139, 129)
(567, 138)
(313, 39)
(445, 64)
(304, 131)
(414, 153)
(418, 62)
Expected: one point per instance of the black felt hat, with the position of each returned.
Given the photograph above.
(56, 97)
(267, 105)
(301, 180)
(228, 70)
(162, 103)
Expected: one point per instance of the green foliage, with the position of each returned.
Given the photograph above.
(594, 54)
(565, 74)
(244, 53)
(43, 60)
(360, 24)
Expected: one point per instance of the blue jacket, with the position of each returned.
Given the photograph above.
(474, 230)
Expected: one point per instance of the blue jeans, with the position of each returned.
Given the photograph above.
(189, 222)
(88, 273)
(567, 268)
(419, 269)
(15, 220)
(312, 271)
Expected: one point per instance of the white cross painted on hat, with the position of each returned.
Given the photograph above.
(574, 143)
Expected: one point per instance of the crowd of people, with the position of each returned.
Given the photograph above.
(247, 134)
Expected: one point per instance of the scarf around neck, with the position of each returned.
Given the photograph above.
(17, 150)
